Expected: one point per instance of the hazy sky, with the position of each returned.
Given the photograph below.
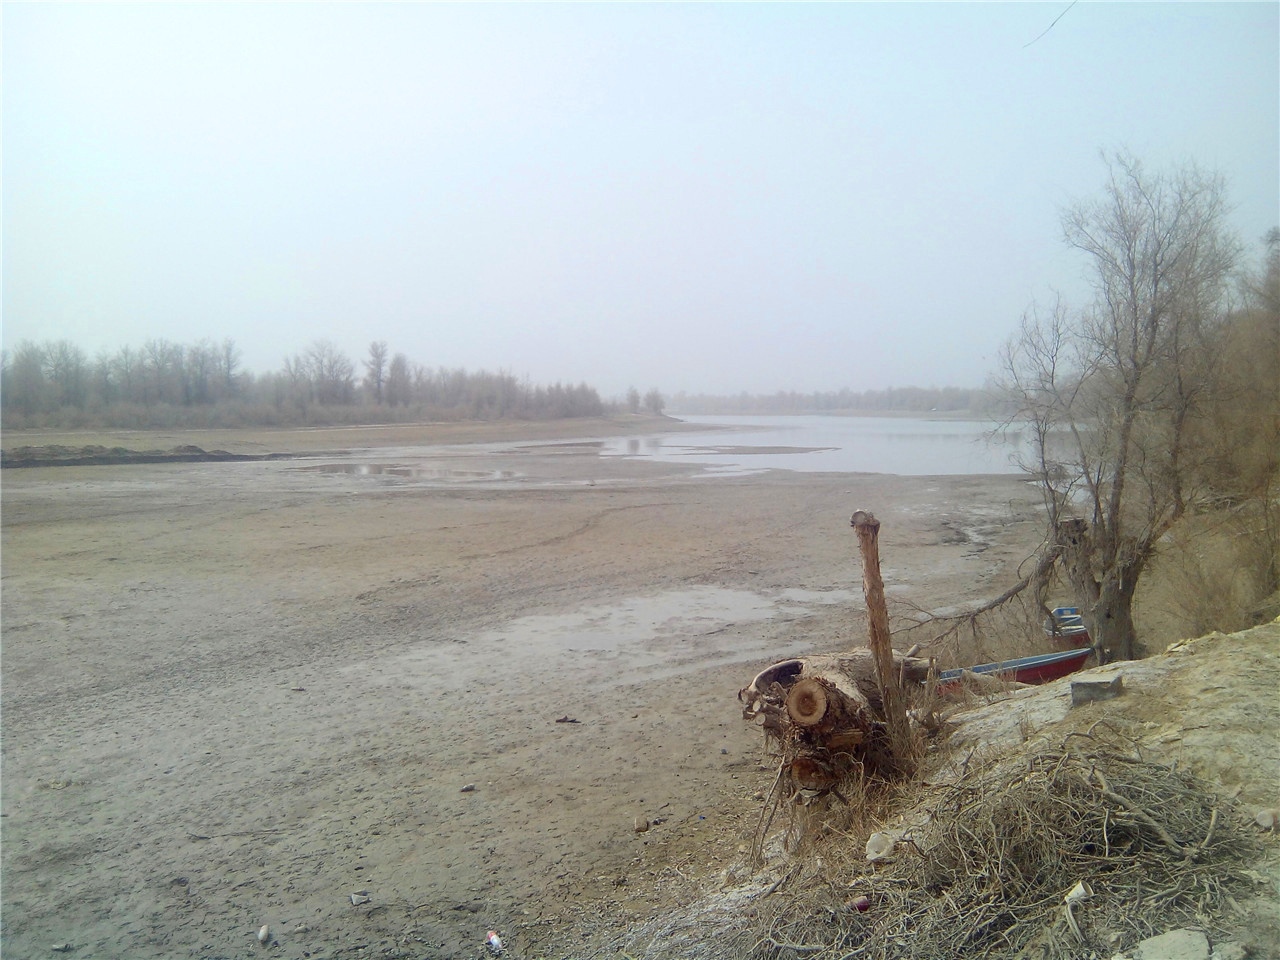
(710, 198)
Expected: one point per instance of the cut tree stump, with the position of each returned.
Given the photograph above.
(843, 715)
(826, 712)
(807, 702)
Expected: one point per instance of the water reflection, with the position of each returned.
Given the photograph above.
(816, 444)
(405, 471)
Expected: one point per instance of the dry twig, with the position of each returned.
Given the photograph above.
(995, 851)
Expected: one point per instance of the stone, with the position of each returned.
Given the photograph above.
(1230, 951)
(1089, 691)
(880, 846)
(1174, 945)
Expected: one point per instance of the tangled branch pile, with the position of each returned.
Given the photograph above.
(987, 866)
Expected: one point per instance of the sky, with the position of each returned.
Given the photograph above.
(711, 198)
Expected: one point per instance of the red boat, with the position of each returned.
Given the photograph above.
(1066, 626)
(1038, 669)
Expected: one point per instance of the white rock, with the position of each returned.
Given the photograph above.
(1174, 945)
(1081, 891)
(879, 846)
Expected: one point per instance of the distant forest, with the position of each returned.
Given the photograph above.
(166, 384)
(890, 400)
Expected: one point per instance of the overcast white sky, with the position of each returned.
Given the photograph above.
(709, 198)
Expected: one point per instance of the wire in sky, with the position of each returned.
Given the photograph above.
(1050, 26)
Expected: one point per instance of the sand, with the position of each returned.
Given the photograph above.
(236, 694)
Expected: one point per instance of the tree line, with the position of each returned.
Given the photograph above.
(889, 400)
(168, 384)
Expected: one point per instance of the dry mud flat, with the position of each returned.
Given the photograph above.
(238, 694)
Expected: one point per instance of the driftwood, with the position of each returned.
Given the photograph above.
(867, 527)
(826, 713)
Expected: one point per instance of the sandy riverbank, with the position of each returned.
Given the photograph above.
(261, 441)
(235, 694)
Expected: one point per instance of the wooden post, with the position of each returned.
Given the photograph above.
(867, 528)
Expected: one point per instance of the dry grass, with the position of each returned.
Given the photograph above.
(987, 859)
(1211, 572)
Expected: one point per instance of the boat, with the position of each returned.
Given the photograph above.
(1038, 669)
(1065, 628)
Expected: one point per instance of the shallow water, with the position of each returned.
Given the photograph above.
(636, 639)
(408, 471)
(820, 444)
(728, 447)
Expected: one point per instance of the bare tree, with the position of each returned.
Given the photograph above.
(298, 380)
(633, 400)
(65, 368)
(25, 388)
(1109, 393)
(164, 376)
(331, 373)
(228, 362)
(399, 381)
(202, 360)
(105, 390)
(128, 373)
(654, 402)
(376, 369)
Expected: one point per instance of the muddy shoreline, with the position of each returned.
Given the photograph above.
(97, 456)
(237, 693)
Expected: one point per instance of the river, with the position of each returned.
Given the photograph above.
(907, 446)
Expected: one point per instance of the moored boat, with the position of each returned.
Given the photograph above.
(1066, 630)
(1037, 669)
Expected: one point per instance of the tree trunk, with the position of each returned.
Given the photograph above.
(1077, 552)
(1113, 613)
(867, 528)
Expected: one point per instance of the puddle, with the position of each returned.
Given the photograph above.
(825, 597)
(635, 640)
(409, 472)
(679, 614)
